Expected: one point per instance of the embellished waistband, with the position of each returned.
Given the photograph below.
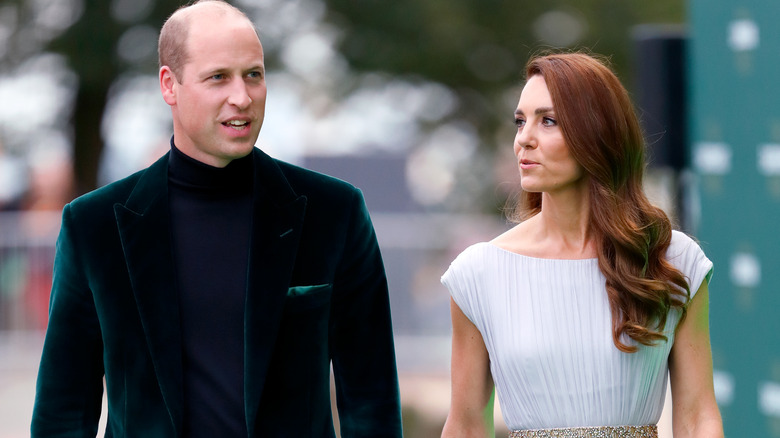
(647, 431)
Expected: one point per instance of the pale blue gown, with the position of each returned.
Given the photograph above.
(547, 327)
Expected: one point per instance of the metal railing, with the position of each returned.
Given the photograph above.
(27, 242)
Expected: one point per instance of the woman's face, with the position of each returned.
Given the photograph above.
(544, 159)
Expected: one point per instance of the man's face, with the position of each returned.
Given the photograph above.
(218, 104)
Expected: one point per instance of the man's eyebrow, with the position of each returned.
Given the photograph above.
(213, 71)
(223, 70)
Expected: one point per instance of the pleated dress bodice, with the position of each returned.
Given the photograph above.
(547, 327)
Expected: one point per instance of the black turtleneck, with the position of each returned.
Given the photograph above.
(211, 217)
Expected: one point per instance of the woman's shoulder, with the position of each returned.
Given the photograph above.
(681, 244)
(472, 256)
(687, 256)
(514, 239)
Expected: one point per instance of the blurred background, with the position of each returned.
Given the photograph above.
(412, 100)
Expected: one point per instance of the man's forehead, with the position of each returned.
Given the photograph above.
(216, 59)
(208, 12)
(203, 29)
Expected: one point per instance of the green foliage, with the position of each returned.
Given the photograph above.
(479, 48)
(441, 40)
(90, 46)
(476, 48)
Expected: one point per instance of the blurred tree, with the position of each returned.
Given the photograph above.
(91, 46)
(90, 35)
(476, 48)
(479, 48)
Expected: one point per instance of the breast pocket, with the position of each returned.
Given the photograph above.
(301, 298)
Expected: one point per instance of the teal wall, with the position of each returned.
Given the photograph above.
(734, 81)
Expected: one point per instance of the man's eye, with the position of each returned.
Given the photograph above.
(255, 75)
(218, 77)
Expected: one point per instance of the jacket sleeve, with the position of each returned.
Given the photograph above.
(362, 348)
(70, 386)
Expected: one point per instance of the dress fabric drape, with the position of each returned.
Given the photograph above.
(546, 324)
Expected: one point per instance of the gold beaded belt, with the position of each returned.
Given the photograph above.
(647, 431)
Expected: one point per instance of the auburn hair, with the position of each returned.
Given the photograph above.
(601, 129)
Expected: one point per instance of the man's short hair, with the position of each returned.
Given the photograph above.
(172, 45)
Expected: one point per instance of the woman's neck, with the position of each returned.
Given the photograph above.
(559, 231)
(566, 213)
(563, 224)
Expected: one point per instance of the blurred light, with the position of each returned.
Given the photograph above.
(369, 118)
(137, 44)
(311, 55)
(13, 177)
(769, 398)
(430, 180)
(136, 126)
(287, 120)
(769, 159)
(131, 11)
(35, 97)
(745, 270)
(435, 102)
(49, 148)
(711, 158)
(559, 28)
(724, 387)
(278, 20)
(57, 15)
(380, 114)
(431, 167)
(743, 35)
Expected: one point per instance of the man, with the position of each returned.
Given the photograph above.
(214, 289)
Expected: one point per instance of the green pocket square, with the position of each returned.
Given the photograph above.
(297, 291)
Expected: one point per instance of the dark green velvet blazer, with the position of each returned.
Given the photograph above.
(317, 293)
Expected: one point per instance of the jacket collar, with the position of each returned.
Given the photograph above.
(145, 231)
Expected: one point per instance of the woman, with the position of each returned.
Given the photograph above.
(577, 312)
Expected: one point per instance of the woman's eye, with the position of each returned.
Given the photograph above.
(549, 121)
(519, 122)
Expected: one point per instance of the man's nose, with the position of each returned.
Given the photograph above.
(239, 95)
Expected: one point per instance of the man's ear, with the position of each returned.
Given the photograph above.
(168, 85)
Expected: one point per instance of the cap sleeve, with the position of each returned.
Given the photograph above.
(687, 256)
(461, 279)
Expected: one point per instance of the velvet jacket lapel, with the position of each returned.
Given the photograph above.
(144, 228)
(276, 229)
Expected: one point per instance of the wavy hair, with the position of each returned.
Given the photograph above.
(600, 127)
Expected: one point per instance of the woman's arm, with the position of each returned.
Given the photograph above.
(694, 410)
(471, 406)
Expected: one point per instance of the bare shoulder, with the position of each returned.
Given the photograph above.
(516, 239)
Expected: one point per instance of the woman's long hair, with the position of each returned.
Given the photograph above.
(601, 129)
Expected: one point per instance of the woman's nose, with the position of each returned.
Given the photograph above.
(525, 138)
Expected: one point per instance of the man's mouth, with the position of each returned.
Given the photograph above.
(236, 124)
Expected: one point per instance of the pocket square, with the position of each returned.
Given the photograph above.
(297, 291)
